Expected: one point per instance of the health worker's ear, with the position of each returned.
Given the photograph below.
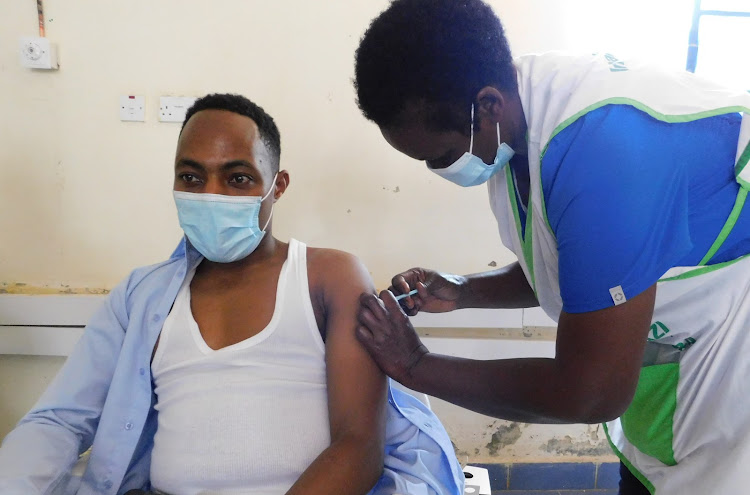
(491, 106)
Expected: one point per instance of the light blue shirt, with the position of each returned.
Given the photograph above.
(103, 398)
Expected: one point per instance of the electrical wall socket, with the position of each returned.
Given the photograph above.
(174, 108)
(37, 53)
(477, 481)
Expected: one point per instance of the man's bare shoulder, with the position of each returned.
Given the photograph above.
(332, 269)
(317, 256)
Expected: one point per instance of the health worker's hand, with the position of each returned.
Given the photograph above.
(437, 292)
(388, 335)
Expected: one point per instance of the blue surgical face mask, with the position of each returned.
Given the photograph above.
(470, 170)
(222, 228)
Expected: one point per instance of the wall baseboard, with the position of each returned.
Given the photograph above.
(554, 476)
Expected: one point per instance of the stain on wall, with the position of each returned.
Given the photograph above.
(482, 439)
(567, 445)
(503, 436)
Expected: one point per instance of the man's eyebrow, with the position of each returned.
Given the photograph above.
(187, 162)
(239, 163)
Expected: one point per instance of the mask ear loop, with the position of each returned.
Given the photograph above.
(272, 204)
(471, 143)
(272, 187)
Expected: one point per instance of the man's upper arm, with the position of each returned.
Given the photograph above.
(356, 386)
(40, 451)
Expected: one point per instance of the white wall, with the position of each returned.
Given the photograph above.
(84, 198)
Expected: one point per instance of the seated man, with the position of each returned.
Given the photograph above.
(232, 367)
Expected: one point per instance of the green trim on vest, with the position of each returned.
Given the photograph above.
(648, 421)
(526, 241)
(672, 119)
(728, 226)
(741, 163)
(644, 481)
(703, 270)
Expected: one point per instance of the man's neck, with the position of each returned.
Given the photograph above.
(266, 250)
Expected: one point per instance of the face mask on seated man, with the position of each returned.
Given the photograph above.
(259, 385)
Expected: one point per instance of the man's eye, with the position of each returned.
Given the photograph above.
(240, 179)
(189, 178)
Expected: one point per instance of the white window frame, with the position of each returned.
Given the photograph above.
(693, 43)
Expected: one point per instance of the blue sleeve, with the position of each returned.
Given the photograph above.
(617, 203)
(37, 456)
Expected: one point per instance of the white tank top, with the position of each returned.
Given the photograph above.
(248, 418)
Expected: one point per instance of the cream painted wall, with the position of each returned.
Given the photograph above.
(84, 198)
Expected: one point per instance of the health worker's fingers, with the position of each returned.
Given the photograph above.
(407, 303)
(377, 326)
(399, 284)
(395, 311)
(364, 335)
(422, 290)
(374, 304)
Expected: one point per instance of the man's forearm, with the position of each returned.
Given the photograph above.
(529, 390)
(348, 467)
(36, 457)
(505, 287)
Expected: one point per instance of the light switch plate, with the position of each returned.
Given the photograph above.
(132, 108)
